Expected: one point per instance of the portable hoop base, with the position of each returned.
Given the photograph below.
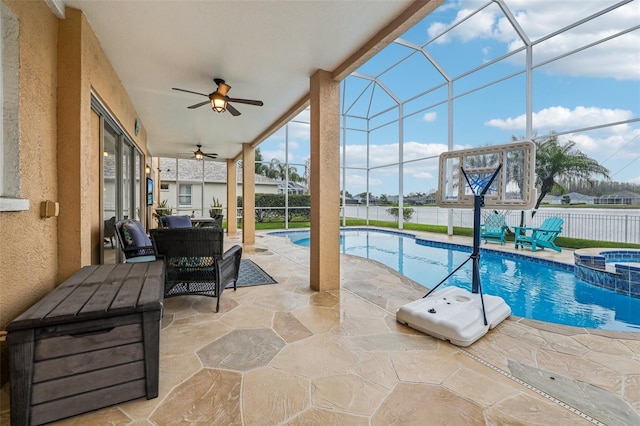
(454, 314)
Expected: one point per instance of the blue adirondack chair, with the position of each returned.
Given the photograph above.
(494, 228)
(542, 237)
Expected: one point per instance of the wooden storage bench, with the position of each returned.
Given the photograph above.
(90, 343)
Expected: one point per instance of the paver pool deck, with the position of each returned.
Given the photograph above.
(284, 354)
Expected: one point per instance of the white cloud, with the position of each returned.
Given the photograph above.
(623, 140)
(429, 117)
(280, 151)
(357, 183)
(300, 131)
(617, 58)
(423, 175)
(614, 147)
(279, 154)
(381, 155)
(621, 143)
(483, 24)
(559, 117)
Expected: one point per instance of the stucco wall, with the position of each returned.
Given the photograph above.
(28, 249)
(84, 68)
(28, 244)
(61, 62)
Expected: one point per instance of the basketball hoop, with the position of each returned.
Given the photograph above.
(512, 189)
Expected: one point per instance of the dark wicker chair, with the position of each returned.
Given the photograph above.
(176, 221)
(216, 220)
(110, 229)
(195, 262)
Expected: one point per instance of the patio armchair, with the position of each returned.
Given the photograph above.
(195, 263)
(494, 228)
(217, 221)
(542, 237)
(109, 230)
(134, 242)
(177, 221)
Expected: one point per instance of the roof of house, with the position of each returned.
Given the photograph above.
(576, 196)
(214, 171)
(621, 194)
(548, 198)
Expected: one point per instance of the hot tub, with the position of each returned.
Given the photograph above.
(614, 269)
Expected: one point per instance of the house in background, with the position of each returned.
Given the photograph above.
(619, 198)
(578, 198)
(292, 188)
(189, 186)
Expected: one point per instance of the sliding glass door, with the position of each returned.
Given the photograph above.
(122, 172)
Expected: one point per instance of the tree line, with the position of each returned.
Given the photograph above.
(277, 170)
(560, 168)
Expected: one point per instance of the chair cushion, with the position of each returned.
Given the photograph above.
(141, 259)
(139, 238)
(178, 221)
(126, 237)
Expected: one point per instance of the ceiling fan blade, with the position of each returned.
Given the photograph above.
(189, 91)
(246, 101)
(198, 105)
(232, 110)
(214, 156)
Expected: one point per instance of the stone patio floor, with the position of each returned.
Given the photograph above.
(282, 354)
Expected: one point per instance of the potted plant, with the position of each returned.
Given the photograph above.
(162, 210)
(216, 208)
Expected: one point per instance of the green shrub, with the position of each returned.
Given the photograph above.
(270, 208)
(407, 212)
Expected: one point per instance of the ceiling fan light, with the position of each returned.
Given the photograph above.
(198, 155)
(219, 104)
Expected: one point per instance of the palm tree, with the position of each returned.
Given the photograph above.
(260, 169)
(562, 161)
(293, 175)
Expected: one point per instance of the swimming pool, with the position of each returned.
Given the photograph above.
(537, 289)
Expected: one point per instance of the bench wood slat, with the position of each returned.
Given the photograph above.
(41, 309)
(86, 382)
(96, 339)
(67, 407)
(89, 361)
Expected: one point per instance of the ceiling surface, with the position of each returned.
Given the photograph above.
(265, 50)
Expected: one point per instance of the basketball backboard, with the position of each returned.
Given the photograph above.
(512, 189)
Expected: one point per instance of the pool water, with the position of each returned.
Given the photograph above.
(533, 290)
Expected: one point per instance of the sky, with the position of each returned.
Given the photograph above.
(591, 84)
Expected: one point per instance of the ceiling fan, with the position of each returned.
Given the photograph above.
(199, 155)
(219, 99)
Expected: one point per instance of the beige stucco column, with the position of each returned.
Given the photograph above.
(325, 182)
(232, 197)
(248, 194)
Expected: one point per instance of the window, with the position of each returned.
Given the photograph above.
(164, 186)
(184, 195)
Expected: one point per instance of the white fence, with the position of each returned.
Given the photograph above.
(620, 226)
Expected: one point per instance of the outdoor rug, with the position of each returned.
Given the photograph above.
(251, 274)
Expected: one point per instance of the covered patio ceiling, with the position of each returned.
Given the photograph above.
(265, 50)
